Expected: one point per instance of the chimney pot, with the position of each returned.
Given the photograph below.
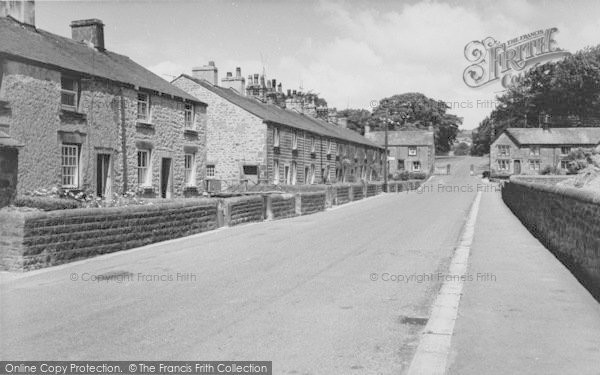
(209, 73)
(238, 72)
(211, 63)
(229, 75)
(89, 31)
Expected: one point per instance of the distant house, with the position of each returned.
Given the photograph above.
(256, 141)
(90, 119)
(409, 150)
(530, 150)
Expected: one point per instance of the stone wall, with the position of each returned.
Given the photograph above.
(374, 188)
(342, 194)
(309, 203)
(566, 220)
(358, 192)
(243, 209)
(281, 206)
(542, 179)
(42, 239)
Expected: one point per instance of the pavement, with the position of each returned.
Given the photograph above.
(346, 291)
(523, 312)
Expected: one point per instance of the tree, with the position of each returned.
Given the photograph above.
(482, 138)
(357, 119)
(462, 149)
(416, 111)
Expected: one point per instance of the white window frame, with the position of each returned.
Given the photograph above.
(294, 140)
(503, 150)
(70, 164)
(211, 170)
(275, 136)
(418, 163)
(294, 173)
(534, 164)
(565, 163)
(313, 144)
(74, 93)
(312, 174)
(563, 148)
(189, 169)
(189, 116)
(329, 146)
(327, 173)
(144, 169)
(534, 151)
(412, 150)
(287, 171)
(143, 115)
(276, 172)
(503, 164)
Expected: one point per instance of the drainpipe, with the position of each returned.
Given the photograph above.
(123, 142)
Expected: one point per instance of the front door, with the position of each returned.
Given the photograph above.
(103, 181)
(517, 166)
(165, 178)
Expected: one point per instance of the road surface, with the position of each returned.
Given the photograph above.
(300, 292)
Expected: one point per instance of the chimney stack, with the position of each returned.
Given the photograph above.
(89, 31)
(238, 72)
(22, 11)
(256, 79)
(279, 87)
(238, 83)
(229, 75)
(209, 73)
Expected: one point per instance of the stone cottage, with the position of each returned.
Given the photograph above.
(409, 150)
(531, 150)
(254, 140)
(90, 119)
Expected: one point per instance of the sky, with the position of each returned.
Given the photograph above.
(352, 53)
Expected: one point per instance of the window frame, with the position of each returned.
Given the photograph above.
(534, 151)
(503, 161)
(146, 116)
(313, 144)
(503, 150)
(75, 93)
(329, 146)
(146, 169)
(210, 171)
(189, 171)
(276, 138)
(189, 110)
(412, 150)
(562, 150)
(75, 176)
(416, 162)
(276, 171)
(536, 163)
(294, 140)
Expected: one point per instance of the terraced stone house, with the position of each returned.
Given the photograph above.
(90, 119)
(409, 150)
(531, 150)
(255, 141)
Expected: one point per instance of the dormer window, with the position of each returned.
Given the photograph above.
(188, 109)
(69, 93)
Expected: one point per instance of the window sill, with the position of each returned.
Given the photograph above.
(144, 125)
(68, 113)
(190, 133)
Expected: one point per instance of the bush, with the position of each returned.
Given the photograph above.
(550, 170)
(417, 175)
(47, 203)
(485, 174)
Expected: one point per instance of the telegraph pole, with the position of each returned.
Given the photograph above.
(385, 166)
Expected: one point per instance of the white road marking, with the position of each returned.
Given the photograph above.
(432, 353)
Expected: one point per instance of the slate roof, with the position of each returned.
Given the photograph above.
(403, 137)
(554, 136)
(25, 42)
(275, 114)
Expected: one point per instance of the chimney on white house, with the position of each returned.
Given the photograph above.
(209, 73)
(22, 11)
(89, 31)
(237, 82)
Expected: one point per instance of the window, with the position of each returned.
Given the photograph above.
(70, 166)
(340, 149)
(503, 165)
(503, 150)
(189, 115)
(534, 165)
(329, 147)
(306, 175)
(294, 140)
(564, 164)
(534, 151)
(143, 107)
(326, 173)
(312, 144)
(565, 150)
(400, 164)
(189, 169)
(416, 166)
(69, 89)
(275, 172)
(294, 173)
(286, 172)
(412, 151)
(312, 174)
(143, 167)
(250, 170)
(275, 137)
(210, 170)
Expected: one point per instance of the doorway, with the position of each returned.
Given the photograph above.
(517, 166)
(103, 180)
(165, 178)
